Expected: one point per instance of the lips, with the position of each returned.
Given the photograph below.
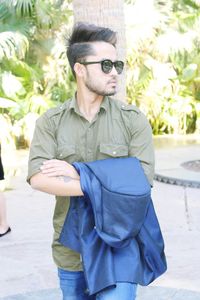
(112, 82)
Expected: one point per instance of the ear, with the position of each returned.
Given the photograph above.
(79, 69)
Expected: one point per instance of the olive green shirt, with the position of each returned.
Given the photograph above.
(118, 130)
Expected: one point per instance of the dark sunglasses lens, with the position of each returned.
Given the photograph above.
(119, 65)
(107, 66)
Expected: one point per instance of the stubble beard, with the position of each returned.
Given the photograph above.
(99, 91)
(93, 88)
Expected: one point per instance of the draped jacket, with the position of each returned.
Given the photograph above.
(114, 225)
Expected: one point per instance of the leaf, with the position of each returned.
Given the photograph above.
(13, 44)
(189, 72)
(4, 10)
(6, 103)
(11, 85)
(20, 68)
(44, 14)
(23, 7)
(191, 3)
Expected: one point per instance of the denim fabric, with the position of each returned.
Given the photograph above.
(122, 291)
(73, 287)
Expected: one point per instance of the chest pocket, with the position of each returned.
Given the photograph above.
(113, 150)
(67, 153)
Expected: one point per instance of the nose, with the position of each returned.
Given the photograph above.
(113, 71)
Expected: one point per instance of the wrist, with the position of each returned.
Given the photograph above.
(74, 174)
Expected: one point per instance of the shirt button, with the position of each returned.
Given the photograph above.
(114, 152)
(123, 106)
(61, 155)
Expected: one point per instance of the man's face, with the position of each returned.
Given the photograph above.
(95, 79)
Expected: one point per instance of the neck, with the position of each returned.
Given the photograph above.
(88, 103)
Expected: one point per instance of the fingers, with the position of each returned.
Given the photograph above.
(54, 167)
(50, 170)
(53, 173)
(53, 163)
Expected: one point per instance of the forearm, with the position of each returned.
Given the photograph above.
(60, 186)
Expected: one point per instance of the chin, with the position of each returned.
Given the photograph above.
(110, 93)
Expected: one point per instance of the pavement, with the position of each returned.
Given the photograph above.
(27, 271)
(178, 160)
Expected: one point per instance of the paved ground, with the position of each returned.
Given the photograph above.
(27, 271)
(171, 154)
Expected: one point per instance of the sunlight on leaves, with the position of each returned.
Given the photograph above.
(11, 85)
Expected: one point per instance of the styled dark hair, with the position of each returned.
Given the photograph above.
(79, 43)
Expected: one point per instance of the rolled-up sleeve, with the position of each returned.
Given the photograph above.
(141, 145)
(43, 145)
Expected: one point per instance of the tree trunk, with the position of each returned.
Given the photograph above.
(107, 13)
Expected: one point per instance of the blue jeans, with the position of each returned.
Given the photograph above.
(73, 287)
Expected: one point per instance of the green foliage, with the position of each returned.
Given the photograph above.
(33, 75)
(163, 76)
(23, 8)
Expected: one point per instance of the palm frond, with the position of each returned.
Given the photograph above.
(4, 10)
(23, 7)
(24, 26)
(13, 44)
(44, 14)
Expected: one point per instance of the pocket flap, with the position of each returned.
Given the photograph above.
(65, 151)
(114, 150)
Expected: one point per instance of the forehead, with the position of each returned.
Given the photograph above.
(104, 50)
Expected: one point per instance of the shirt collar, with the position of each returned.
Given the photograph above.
(74, 105)
(105, 103)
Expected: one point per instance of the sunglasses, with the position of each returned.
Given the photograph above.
(107, 65)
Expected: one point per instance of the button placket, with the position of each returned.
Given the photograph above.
(89, 135)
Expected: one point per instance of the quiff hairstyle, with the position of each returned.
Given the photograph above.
(80, 42)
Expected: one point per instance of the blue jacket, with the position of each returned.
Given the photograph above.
(114, 225)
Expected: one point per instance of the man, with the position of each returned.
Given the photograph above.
(89, 127)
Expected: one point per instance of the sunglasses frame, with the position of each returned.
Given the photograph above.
(113, 63)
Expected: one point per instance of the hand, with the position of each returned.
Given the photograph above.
(55, 168)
